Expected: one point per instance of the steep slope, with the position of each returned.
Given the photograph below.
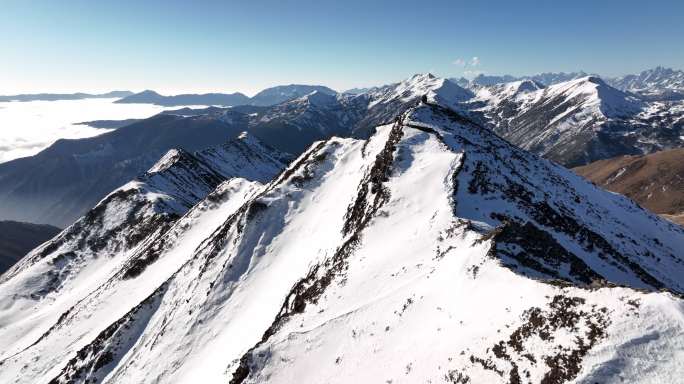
(55, 276)
(432, 252)
(655, 181)
(62, 182)
(284, 93)
(152, 97)
(17, 239)
(582, 120)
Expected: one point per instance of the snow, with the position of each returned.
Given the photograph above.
(435, 88)
(382, 261)
(596, 95)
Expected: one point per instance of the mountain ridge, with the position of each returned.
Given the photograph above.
(564, 276)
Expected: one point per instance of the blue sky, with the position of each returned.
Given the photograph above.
(175, 46)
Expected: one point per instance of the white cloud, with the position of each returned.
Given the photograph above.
(37, 124)
(460, 62)
(475, 61)
(472, 73)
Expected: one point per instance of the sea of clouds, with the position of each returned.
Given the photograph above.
(26, 128)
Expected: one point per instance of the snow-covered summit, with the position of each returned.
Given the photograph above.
(593, 93)
(320, 99)
(508, 92)
(435, 88)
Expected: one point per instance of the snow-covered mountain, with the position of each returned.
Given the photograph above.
(656, 84)
(579, 121)
(52, 278)
(387, 102)
(573, 123)
(546, 78)
(283, 93)
(294, 125)
(434, 251)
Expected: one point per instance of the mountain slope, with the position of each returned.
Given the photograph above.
(55, 276)
(581, 121)
(62, 182)
(294, 125)
(434, 251)
(283, 93)
(386, 103)
(655, 181)
(17, 239)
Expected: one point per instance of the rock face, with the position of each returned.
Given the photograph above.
(655, 181)
(17, 239)
(434, 251)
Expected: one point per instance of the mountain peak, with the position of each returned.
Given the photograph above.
(593, 92)
(594, 80)
(172, 156)
(148, 92)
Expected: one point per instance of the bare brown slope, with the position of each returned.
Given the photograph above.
(655, 181)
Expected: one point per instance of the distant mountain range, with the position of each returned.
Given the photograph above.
(269, 96)
(283, 93)
(654, 84)
(579, 121)
(573, 123)
(17, 239)
(64, 96)
(152, 97)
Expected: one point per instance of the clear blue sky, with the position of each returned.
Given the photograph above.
(174, 46)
